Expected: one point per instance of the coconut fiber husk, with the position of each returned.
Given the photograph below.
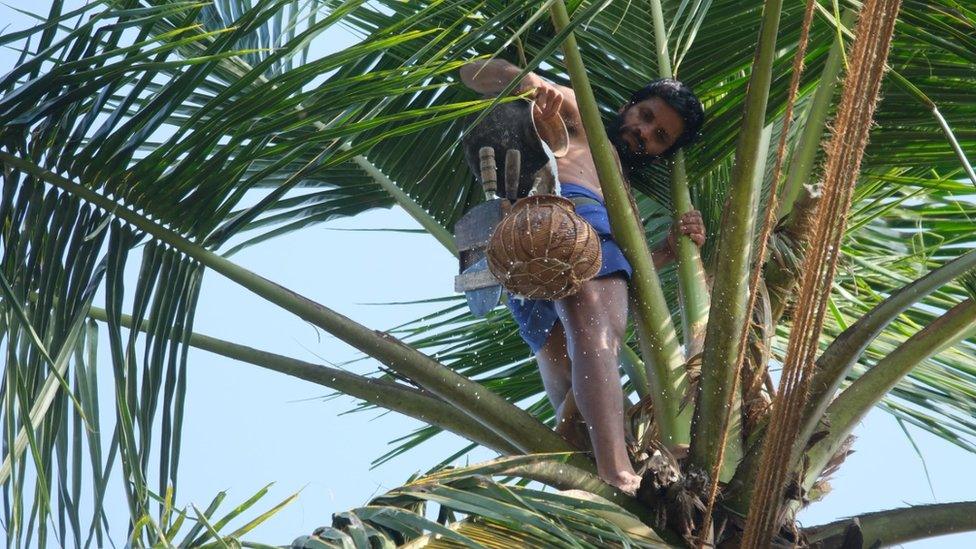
(543, 249)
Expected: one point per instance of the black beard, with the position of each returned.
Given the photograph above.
(633, 162)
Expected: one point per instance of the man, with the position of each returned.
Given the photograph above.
(576, 340)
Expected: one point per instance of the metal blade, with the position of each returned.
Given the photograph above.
(481, 300)
(474, 228)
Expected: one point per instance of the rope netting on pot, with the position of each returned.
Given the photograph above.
(543, 249)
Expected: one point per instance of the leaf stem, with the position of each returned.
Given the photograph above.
(505, 419)
(730, 288)
(692, 287)
(841, 355)
(380, 392)
(913, 90)
(659, 341)
(805, 152)
(896, 526)
(854, 402)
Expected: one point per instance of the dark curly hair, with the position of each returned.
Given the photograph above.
(683, 100)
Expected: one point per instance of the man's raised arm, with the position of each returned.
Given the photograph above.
(491, 77)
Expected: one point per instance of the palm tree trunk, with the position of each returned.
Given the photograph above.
(655, 328)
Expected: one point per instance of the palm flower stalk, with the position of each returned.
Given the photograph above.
(691, 272)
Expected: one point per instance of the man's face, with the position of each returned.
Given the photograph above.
(647, 129)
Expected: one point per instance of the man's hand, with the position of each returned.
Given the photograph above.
(691, 225)
(548, 98)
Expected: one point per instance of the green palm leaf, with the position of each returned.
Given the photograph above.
(94, 118)
(210, 119)
(476, 511)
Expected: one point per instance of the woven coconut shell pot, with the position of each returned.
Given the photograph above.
(543, 249)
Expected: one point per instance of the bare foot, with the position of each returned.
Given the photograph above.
(625, 481)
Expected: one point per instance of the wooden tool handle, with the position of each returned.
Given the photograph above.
(489, 171)
(513, 168)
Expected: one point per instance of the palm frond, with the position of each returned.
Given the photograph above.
(473, 510)
(212, 119)
(102, 105)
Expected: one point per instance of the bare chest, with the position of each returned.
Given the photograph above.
(577, 165)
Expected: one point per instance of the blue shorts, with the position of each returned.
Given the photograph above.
(536, 317)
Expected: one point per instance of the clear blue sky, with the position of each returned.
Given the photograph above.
(246, 427)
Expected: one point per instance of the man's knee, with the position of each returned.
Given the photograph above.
(554, 348)
(601, 337)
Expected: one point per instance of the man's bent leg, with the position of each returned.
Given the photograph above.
(595, 320)
(554, 367)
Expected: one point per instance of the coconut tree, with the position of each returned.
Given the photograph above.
(132, 130)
